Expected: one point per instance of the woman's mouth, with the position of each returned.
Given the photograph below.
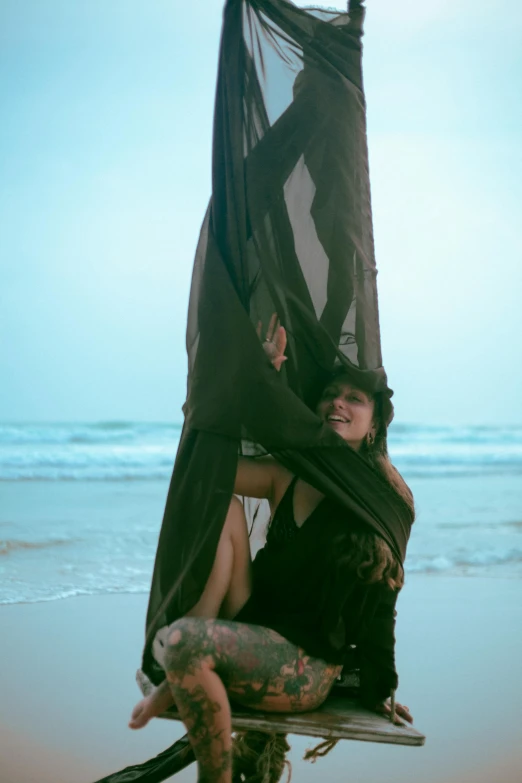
(335, 417)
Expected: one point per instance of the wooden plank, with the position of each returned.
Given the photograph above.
(338, 718)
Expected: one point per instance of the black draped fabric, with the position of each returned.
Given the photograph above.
(288, 231)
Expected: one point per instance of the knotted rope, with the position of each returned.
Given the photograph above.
(320, 750)
(259, 757)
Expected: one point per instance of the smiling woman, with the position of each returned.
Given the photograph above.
(323, 583)
(359, 418)
(349, 411)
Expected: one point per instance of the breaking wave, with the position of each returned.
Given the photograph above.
(137, 451)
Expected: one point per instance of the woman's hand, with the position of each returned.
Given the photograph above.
(274, 343)
(384, 708)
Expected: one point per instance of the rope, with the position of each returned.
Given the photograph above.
(320, 750)
(259, 757)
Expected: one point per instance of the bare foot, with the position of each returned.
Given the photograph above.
(151, 706)
(141, 714)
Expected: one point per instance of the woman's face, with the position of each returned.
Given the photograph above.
(347, 410)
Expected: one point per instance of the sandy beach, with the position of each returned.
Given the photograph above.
(67, 685)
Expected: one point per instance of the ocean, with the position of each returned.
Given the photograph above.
(81, 504)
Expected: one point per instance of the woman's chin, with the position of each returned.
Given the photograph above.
(340, 428)
(343, 430)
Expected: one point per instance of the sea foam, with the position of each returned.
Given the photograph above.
(127, 451)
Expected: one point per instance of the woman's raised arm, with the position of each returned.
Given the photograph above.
(263, 477)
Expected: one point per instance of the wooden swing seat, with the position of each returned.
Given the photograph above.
(340, 717)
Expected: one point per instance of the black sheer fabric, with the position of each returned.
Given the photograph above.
(288, 230)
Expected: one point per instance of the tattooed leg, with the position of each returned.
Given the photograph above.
(209, 660)
(263, 670)
(201, 699)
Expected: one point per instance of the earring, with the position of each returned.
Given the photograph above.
(370, 439)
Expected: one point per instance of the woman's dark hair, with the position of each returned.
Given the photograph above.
(368, 554)
(370, 557)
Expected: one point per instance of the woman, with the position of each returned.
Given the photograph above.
(262, 638)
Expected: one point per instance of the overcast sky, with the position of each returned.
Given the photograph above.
(105, 144)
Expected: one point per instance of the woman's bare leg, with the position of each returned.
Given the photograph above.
(206, 658)
(203, 706)
(230, 582)
(227, 590)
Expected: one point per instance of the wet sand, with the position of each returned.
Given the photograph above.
(67, 688)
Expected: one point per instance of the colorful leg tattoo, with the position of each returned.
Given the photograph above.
(208, 659)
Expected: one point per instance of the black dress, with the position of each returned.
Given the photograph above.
(301, 591)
